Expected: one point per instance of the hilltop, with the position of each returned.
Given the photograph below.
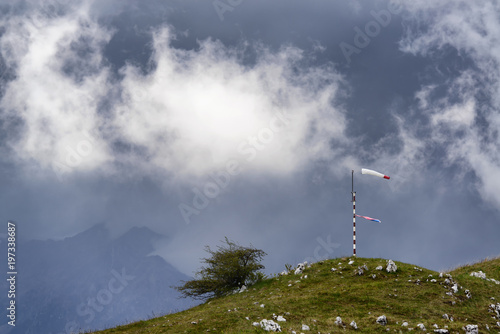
(334, 288)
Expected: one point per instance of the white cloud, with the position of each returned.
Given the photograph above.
(466, 120)
(189, 116)
(58, 109)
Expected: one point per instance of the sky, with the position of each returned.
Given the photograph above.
(206, 119)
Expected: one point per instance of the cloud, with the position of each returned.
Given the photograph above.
(463, 111)
(194, 111)
(58, 85)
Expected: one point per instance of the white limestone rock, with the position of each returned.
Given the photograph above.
(379, 268)
(391, 267)
(353, 325)
(471, 329)
(338, 321)
(382, 320)
(305, 327)
(421, 326)
(270, 326)
(300, 268)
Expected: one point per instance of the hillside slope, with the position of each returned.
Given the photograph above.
(319, 295)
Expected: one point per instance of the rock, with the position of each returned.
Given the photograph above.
(440, 275)
(243, 288)
(471, 329)
(262, 305)
(496, 309)
(280, 318)
(379, 268)
(391, 267)
(478, 274)
(360, 271)
(353, 325)
(421, 326)
(247, 318)
(333, 269)
(338, 321)
(194, 322)
(404, 324)
(446, 317)
(256, 324)
(300, 268)
(433, 280)
(382, 320)
(270, 326)
(441, 331)
(351, 262)
(374, 276)
(305, 327)
(455, 288)
(284, 273)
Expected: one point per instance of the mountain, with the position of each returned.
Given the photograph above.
(91, 281)
(353, 289)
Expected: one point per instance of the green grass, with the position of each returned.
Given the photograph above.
(318, 299)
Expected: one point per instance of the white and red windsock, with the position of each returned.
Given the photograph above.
(374, 173)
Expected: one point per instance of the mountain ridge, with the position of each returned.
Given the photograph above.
(354, 290)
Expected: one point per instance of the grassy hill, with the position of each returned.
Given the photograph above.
(408, 295)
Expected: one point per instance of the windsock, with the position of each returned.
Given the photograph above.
(374, 173)
(369, 218)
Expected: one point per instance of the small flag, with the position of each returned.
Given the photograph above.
(369, 218)
(374, 173)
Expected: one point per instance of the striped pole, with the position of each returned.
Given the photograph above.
(353, 217)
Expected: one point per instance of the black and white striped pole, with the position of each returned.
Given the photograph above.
(353, 193)
(353, 216)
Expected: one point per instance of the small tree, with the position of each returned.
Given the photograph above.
(230, 267)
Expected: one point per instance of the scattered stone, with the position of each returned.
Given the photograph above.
(433, 280)
(262, 305)
(269, 326)
(440, 275)
(447, 281)
(338, 321)
(300, 268)
(243, 288)
(455, 288)
(247, 318)
(478, 274)
(305, 327)
(471, 329)
(353, 325)
(496, 309)
(446, 317)
(404, 324)
(421, 326)
(333, 269)
(351, 262)
(379, 268)
(194, 322)
(280, 318)
(374, 276)
(468, 294)
(256, 324)
(391, 267)
(441, 331)
(435, 326)
(382, 320)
